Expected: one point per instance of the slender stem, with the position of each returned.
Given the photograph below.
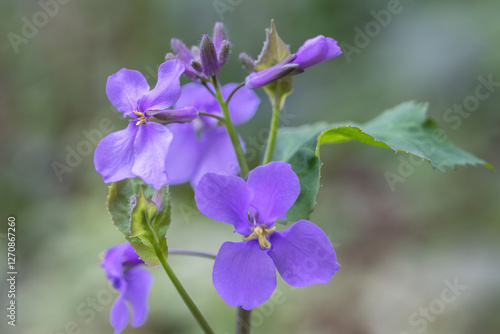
(233, 135)
(206, 114)
(184, 295)
(190, 252)
(243, 325)
(271, 140)
(234, 91)
(204, 83)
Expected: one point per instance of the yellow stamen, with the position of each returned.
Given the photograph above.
(141, 119)
(260, 232)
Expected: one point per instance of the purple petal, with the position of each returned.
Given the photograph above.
(114, 260)
(114, 155)
(179, 115)
(224, 198)
(243, 104)
(139, 282)
(197, 96)
(125, 88)
(168, 87)
(119, 314)
(273, 73)
(150, 150)
(275, 187)
(303, 254)
(244, 275)
(217, 155)
(315, 51)
(184, 153)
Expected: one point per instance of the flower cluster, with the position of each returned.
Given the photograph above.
(186, 134)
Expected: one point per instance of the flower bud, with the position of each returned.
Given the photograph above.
(223, 53)
(170, 56)
(219, 35)
(247, 62)
(181, 50)
(273, 73)
(209, 61)
(196, 66)
(180, 115)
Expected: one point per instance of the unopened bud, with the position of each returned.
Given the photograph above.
(209, 61)
(181, 50)
(223, 53)
(219, 35)
(170, 56)
(273, 73)
(181, 115)
(247, 62)
(196, 66)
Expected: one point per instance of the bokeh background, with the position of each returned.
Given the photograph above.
(397, 247)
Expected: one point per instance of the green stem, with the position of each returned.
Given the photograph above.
(271, 140)
(231, 130)
(184, 295)
(190, 252)
(243, 325)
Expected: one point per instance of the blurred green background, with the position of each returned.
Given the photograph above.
(397, 247)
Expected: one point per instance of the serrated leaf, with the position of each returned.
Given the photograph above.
(132, 194)
(404, 128)
(274, 52)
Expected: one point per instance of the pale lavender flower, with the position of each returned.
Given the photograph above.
(244, 272)
(141, 148)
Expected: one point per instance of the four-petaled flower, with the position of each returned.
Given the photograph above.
(140, 149)
(244, 273)
(204, 145)
(124, 270)
(313, 52)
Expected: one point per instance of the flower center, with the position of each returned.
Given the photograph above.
(141, 119)
(260, 232)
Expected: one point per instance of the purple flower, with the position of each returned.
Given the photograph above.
(123, 268)
(141, 148)
(313, 52)
(204, 145)
(204, 61)
(244, 272)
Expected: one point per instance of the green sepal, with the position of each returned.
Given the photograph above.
(274, 52)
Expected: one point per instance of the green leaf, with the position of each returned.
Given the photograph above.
(139, 218)
(404, 128)
(274, 52)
